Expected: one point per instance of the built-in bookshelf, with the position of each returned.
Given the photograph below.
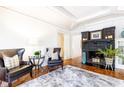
(92, 41)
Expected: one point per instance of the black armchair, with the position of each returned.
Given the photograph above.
(54, 63)
(9, 75)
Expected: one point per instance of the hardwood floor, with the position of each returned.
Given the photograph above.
(118, 73)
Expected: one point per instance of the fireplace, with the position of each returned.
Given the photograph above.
(91, 46)
(93, 58)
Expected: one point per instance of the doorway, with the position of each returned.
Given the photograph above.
(61, 43)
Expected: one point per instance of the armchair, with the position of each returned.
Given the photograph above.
(54, 63)
(9, 75)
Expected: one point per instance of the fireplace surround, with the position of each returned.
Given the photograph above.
(90, 46)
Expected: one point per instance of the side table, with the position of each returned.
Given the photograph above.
(37, 62)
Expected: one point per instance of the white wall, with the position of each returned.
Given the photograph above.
(76, 33)
(19, 31)
(76, 45)
(67, 46)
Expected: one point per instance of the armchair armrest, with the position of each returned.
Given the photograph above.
(23, 62)
(3, 72)
(61, 58)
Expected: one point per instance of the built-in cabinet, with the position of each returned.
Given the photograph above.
(85, 36)
(92, 41)
(108, 33)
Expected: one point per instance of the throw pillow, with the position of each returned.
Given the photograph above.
(55, 56)
(49, 53)
(11, 62)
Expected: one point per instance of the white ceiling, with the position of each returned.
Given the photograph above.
(48, 15)
(65, 16)
(84, 11)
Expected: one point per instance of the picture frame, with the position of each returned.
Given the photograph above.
(96, 35)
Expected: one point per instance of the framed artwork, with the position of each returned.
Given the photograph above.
(96, 35)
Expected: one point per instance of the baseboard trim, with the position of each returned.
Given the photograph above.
(68, 59)
(76, 57)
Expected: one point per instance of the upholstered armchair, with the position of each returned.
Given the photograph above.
(9, 75)
(54, 63)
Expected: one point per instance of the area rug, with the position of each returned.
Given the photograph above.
(72, 76)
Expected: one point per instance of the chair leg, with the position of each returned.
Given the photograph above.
(9, 81)
(38, 67)
(10, 84)
(31, 74)
(48, 69)
(62, 66)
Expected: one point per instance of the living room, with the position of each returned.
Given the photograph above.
(59, 46)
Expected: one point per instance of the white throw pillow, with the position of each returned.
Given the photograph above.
(48, 54)
(11, 62)
(46, 57)
(55, 56)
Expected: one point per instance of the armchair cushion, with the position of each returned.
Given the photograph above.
(18, 72)
(55, 61)
(18, 69)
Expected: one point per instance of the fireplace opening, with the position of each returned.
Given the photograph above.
(95, 58)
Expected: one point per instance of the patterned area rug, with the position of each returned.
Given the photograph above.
(73, 77)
